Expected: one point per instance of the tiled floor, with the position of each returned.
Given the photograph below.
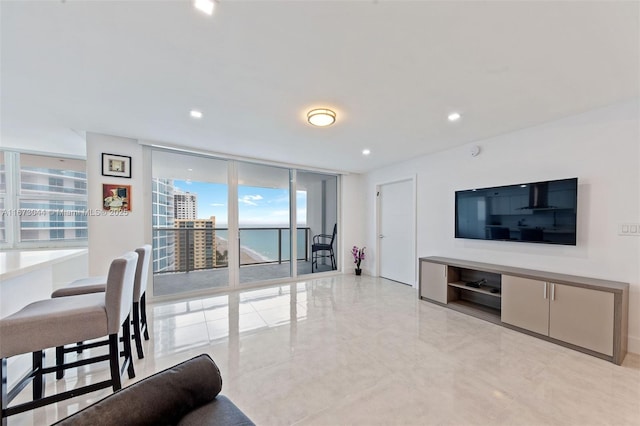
(175, 283)
(366, 351)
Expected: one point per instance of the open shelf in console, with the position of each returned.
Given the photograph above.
(482, 289)
(476, 299)
(486, 313)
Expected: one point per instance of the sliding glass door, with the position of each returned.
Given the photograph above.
(221, 223)
(263, 222)
(190, 223)
(318, 216)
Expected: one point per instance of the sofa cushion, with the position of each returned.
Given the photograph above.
(161, 399)
(220, 411)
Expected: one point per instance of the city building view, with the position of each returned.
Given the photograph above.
(182, 241)
(163, 217)
(42, 198)
(185, 205)
(195, 244)
(185, 242)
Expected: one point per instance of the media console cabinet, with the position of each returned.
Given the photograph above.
(586, 314)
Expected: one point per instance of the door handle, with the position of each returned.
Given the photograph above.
(380, 236)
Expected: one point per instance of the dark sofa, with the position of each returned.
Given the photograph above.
(185, 394)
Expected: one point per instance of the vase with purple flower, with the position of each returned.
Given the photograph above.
(358, 257)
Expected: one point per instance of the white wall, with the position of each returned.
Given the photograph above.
(600, 147)
(111, 236)
(354, 217)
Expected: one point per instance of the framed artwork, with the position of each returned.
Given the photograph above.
(116, 165)
(116, 198)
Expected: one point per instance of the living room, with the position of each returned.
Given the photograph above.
(567, 108)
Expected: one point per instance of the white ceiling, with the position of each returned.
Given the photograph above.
(392, 70)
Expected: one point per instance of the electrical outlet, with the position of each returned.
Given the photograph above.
(629, 229)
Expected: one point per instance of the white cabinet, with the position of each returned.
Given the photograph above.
(525, 304)
(582, 317)
(576, 315)
(433, 281)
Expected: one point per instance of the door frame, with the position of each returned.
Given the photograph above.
(412, 223)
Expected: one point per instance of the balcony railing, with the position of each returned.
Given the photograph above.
(189, 249)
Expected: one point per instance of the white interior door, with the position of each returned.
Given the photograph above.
(396, 231)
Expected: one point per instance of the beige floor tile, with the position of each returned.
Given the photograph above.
(366, 351)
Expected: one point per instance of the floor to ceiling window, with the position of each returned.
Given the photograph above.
(222, 223)
(43, 200)
(190, 232)
(319, 217)
(263, 222)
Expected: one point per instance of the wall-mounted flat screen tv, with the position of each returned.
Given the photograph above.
(537, 212)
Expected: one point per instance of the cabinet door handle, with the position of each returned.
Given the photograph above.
(544, 292)
(553, 292)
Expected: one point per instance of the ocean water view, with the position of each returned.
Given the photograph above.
(257, 245)
(266, 244)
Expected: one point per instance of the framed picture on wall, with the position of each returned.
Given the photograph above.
(116, 198)
(116, 165)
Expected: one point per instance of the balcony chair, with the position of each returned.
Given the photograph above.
(97, 284)
(57, 322)
(323, 243)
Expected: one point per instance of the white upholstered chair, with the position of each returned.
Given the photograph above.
(56, 322)
(98, 284)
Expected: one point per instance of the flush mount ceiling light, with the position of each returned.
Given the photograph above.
(321, 117)
(205, 6)
(366, 151)
(194, 113)
(454, 116)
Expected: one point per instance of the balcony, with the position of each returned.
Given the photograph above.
(195, 259)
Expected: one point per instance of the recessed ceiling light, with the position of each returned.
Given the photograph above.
(195, 113)
(189, 170)
(454, 116)
(366, 151)
(321, 117)
(205, 6)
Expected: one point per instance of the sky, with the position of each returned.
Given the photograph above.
(256, 206)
